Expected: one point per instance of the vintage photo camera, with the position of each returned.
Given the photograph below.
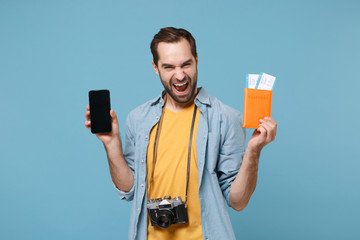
(166, 211)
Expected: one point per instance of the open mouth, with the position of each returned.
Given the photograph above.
(181, 88)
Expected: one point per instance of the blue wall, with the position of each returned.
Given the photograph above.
(54, 179)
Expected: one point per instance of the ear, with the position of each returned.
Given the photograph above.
(197, 59)
(155, 67)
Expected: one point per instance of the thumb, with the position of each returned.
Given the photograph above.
(114, 122)
(113, 115)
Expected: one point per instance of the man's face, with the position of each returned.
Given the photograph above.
(177, 69)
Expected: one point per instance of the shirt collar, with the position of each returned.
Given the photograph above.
(202, 98)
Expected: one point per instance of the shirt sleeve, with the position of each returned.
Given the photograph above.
(129, 154)
(231, 153)
(128, 196)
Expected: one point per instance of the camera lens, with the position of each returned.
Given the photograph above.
(165, 218)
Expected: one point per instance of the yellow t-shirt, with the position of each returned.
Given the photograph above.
(170, 173)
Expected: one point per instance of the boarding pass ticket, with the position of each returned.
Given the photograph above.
(262, 81)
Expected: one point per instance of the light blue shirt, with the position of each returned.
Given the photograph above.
(220, 147)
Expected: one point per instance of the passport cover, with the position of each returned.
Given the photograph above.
(257, 105)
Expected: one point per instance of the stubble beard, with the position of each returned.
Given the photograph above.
(182, 99)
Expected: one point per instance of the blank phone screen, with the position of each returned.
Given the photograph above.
(99, 101)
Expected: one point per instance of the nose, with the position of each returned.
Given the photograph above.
(179, 74)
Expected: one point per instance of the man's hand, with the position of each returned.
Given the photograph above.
(263, 135)
(121, 174)
(245, 182)
(106, 138)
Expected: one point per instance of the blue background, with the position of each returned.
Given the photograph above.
(54, 178)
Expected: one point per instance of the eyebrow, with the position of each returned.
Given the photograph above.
(186, 62)
(170, 65)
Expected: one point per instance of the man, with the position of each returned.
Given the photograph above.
(184, 143)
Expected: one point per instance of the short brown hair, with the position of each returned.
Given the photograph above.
(171, 35)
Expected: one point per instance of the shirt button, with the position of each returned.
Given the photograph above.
(157, 118)
(147, 137)
(138, 209)
(142, 185)
(142, 161)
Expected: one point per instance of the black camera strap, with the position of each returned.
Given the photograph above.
(157, 136)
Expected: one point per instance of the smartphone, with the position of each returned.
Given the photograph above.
(99, 101)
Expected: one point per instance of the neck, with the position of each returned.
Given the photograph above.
(174, 106)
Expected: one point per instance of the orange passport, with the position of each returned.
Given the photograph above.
(257, 105)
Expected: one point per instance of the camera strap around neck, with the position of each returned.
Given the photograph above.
(157, 137)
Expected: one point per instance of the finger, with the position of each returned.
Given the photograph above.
(113, 115)
(269, 123)
(273, 125)
(269, 132)
(87, 115)
(262, 131)
(88, 125)
(256, 132)
(114, 122)
(271, 120)
(88, 107)
(261, 121)
(263, 135)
